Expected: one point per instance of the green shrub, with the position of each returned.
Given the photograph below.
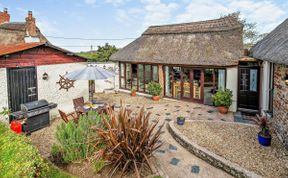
(154, 88)
(75, 140)
(223, 98)
(99, 165)
(18, 157)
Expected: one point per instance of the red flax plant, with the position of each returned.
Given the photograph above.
(129, 141)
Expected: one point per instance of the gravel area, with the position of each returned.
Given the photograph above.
(239, 144)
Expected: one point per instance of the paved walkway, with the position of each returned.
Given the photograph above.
(175, 160)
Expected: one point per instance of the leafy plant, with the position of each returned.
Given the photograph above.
(99, 165)
(223, 98)
(154, 88)
(129, 140)
(264, 124)
(181, 118)
(18, 157)
(133, 89)
(75, 140)
(102, 54)
(5, 112)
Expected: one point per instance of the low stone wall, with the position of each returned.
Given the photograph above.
(280, 103)
(210, 157)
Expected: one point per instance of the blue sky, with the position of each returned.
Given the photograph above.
(129, 18)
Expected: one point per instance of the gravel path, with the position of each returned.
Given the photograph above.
(239, 144)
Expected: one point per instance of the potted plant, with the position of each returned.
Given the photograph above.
(264, 136)
(155, 89)
(133, 91)
(223, 100)
(180, 120)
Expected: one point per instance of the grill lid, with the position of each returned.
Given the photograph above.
(33, 105)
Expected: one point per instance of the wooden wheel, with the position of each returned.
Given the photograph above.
(65, 83)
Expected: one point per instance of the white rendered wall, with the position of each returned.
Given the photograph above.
(49, 89)
(264, 84)
(232, 84)
(3, 91)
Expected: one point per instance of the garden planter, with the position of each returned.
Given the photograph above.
(156, 98)
(16, 127)
(264, 140)
(223, 109)
(180, 120)
(133, 94)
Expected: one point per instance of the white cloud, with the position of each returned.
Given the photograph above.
(265, 13)
(157, 12)
(47, 27)
(113, 2)
(90, 2)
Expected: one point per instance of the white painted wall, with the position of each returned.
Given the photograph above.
(49, 89)
(232, 84)
(265, 85)
(3, 91)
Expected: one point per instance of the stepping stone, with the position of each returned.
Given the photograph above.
(159, 141)
(223, 119)
(134, 114)
(157, 114)
(172, 147)
(200, 114)
(167, 105)
(167, 114)
(187, 105)
(177, 106)
(177, 110)
(210, 119)
(210, 111)
(197, 107)
(117, 106)
(128, 105)
(162, 132)
(154, 121)
(188, 111)
(138, 107)
(165, 109)
(195, 169)
(174, 161)
(167, 119)
(149, 108)
(162, 152)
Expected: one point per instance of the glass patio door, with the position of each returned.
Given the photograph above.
(192, 87)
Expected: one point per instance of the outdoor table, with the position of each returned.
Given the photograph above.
(85, 110)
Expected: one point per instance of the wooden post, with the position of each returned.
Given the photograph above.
(161, 78)
(91, 90)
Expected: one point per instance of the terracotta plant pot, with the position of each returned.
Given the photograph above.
(223, 109)
(133, 93)
(156, 98)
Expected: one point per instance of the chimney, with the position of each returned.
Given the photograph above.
(4, 16)
(30, 25)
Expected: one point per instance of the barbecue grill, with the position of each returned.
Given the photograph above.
(35, 115)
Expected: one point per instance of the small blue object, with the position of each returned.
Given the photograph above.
(174, 161)
(172, 147)
(180, 121)
(265, 141)
(195, 169)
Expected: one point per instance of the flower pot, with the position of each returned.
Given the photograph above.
(180, 121)
(223, 109)
(264, 140)
(133, 93)
(16, 127)
(156, 98)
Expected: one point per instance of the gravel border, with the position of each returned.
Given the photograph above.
(208, 156)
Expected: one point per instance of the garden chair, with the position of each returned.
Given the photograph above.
(65, 116)
(78, 103)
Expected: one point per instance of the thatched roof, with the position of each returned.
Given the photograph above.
(214, 42)
(15, 32)
(274, 47)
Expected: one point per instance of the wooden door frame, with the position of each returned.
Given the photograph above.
(9, 87)
(258, 88)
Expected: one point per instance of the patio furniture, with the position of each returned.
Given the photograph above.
(78, 104)
(65, 116)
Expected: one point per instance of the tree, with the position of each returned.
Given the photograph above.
(102, 54)
(250, 34)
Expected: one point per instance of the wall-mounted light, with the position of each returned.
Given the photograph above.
(45, 76)
(286, 79)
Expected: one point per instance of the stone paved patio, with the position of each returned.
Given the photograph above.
(175, 160)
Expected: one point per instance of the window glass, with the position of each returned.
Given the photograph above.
(168, 81)
(148, 78)
(177, 82)
(128, 76)
(141, 77)
(155, 73)
(221, 79)
(253, 80)
(122, 79)
(134, 75)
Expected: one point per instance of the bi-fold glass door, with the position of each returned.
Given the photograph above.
(192, 87)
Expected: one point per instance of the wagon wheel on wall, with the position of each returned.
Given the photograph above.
(65, 83)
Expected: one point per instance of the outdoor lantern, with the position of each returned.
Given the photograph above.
(286, 79)
(45, 76)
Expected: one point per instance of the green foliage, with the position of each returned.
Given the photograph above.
(157, 177)
(181, 118)
(133, 89)
(250, 34)
(75, 139)
(99, 165)
(5, 112)
(18, 157)
(102, 54)
(154, 88)
(223, 98)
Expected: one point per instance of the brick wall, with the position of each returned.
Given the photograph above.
(280, 103)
